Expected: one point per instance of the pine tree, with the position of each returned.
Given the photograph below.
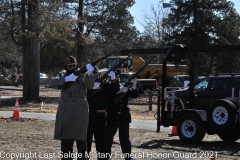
(203, 23)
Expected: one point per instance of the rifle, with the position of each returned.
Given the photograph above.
(101, 79)
(81, 71)
(128, 82)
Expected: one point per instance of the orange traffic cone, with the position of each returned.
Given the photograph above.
(174, 131)
(16, 109)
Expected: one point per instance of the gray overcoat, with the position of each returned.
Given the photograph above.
(72, 114)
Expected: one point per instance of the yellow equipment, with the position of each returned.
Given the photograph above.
(152, 71)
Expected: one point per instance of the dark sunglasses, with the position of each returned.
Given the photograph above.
(71, 65)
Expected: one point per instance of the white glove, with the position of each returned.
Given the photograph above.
(96, 85)
(112, 75)
(71, 77)
(134, 83)
(123, 89)
(89, 68)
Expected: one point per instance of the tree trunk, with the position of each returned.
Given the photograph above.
(31, 55)
(79, 37)
(31, 69)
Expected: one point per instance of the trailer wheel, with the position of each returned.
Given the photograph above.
(190, 128)
(222, 115)
(230, 136)
(173, 83)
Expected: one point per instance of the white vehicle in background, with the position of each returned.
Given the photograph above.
(44, 78)
(183, 80)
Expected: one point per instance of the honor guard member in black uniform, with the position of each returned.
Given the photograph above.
(119, 117)
(98, 100)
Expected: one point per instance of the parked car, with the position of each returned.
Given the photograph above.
(43, 78)
(208, 90)
(183, 80)
(17, 79)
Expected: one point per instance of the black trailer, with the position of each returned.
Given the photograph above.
(192, 124)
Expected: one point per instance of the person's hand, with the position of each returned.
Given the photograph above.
(123, 89)
(96, 85)
(112, 75)
(134, 83)
(70, 78)
(89, 68)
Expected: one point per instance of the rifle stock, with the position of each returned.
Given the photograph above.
(101, 79)
(81, 71)
(128, 83)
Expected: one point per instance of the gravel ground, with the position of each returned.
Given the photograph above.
(34, 139)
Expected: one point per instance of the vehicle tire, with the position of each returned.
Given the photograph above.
(173, 83)
(236, 104)
(222, 115)
(230, 136)
(191, 128)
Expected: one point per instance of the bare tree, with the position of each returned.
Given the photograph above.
(152, 23)
(92, 16)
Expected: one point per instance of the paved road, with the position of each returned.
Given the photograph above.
(12, 87)
(19, 87)
(145, 124)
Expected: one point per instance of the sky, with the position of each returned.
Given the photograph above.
(145, 6)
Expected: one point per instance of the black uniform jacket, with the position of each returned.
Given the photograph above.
(121, 109)
(98, 99)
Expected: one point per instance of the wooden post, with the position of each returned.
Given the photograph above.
(150, 100)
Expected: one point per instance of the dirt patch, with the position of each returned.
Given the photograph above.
(35, 138)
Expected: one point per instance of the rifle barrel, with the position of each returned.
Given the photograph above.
(120, 96)
(112, 69)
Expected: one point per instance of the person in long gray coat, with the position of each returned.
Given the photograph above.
(72, 114)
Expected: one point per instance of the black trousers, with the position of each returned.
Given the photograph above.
(96, 128)
(123, 131)
(67, 149)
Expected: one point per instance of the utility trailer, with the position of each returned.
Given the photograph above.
(221, 117)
